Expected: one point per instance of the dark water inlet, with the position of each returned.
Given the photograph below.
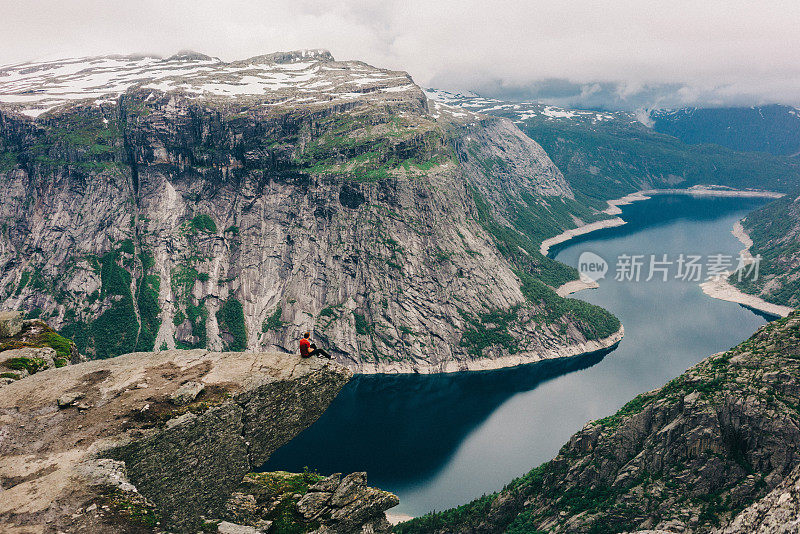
(442, 440)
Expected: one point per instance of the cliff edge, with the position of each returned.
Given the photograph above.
(150, 441)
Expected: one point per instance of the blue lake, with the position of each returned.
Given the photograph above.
(438, 441)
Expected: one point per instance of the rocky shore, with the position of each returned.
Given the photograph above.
(719, 287)
(584, 282)
(499, 362)
(614, 209)
(547, 244)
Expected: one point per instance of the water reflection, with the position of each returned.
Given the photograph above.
(441, 440)
(419, 421)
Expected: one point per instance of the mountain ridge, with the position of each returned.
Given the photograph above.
(264, 199)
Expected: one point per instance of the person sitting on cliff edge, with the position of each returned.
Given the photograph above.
(308, 349)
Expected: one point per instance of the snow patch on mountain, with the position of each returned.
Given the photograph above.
(307, 77)
(520, 112)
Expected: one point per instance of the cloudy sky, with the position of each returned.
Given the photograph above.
(611, 53)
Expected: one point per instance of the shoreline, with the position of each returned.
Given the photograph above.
(491, 364)
(573, 286)
(720, 288)
(565, 236)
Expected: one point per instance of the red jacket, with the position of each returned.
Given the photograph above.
(305, 347)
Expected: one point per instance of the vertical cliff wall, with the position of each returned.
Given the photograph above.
(239, 204)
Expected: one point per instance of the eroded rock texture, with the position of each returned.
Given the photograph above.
(121, 445)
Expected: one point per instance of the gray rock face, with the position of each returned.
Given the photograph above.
(57, 459)
(10, 323)
(349, 489)
(331, 505)
(239, 204)
(777, 513)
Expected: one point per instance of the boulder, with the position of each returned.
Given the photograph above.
(313, 504)
(186, 393)
(69, 399)
(352, 486)
(10, 323)
(328, 484)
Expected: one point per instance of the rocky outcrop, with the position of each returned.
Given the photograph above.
(102, 446)
(10, 323)
(777, 513)
(312, 503)
(685, 458)
(30, 346)
(192, 203)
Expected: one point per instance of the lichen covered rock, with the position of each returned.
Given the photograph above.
(310, 503)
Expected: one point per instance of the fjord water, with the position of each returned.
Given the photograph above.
(438, 441)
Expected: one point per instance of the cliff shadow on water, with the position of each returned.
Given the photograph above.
(420, 418)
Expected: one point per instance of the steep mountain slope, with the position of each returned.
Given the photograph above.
(775, 233)
(606, 155)
(190, 202)
(777, 513)
(773, 129)
(685, 458)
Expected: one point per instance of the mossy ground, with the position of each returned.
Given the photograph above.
(35, 335)
(279, 492)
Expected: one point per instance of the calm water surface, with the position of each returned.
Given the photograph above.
(440, 441)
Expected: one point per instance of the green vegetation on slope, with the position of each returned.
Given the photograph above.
(115, 331)
(36, 335)
(775, 231)
(273, 322)
(85, 140)
(612, 159)
(538, 275)
(373, 146)
(204, 223)
(279, 492)
(231, 322)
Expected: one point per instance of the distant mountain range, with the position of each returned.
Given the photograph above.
(606, 155)
(773, 129)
